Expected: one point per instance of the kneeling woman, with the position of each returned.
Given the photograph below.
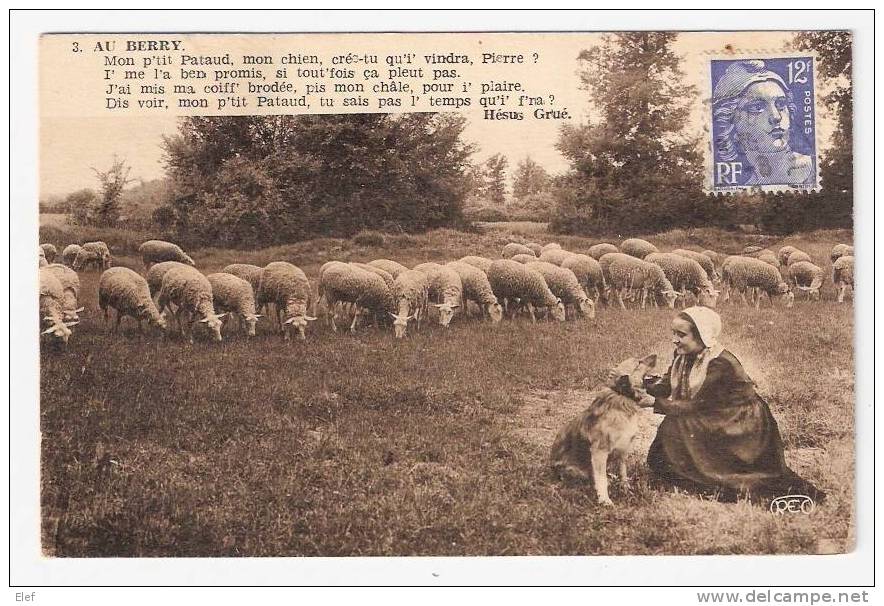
(719, 435)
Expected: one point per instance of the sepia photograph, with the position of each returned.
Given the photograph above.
(446, 294)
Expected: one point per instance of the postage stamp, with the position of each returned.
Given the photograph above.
(763, 116)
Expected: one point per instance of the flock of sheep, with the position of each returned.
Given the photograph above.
(530, 278)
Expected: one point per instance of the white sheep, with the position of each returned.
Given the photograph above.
(156, 251)
(597, 251)
(714, 256)
(535, 248)
(69, 254)
(410, 292)
(555, 255)
(798, 255)
(155, 275)
(550, 246)
(127, 292)
(705, 261)
(686, 276)
(250, 273)
(514, 248)
(234, 295)
(511, 281)
(636, 247)
(745, 274)
(784, 252)
(564, 285)
(480, 262)
(391, 267)
(446, 289)
(345, 283)
(768, 257)
(627, 275)
(52, 306)
(806, 277)
(523, 258)
(49, 251)
(287, 288)
(477, 288)
(41, 259)
(70, 284)
(838, 251)
(589, 274)
(191, 293)
(92, 253)
(842, 275)
(386, 276)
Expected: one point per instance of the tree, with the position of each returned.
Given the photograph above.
(253, 180)
(530, 178)
(81, 205)
(495, 178)
(836, 48)
(633, 167)
(112, 182)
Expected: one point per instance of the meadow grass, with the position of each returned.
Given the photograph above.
(364, 445)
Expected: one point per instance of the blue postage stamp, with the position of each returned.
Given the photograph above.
(764, 131)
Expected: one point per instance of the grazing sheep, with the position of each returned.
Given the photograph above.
(514, 248)
(705, 261)
(477, 288)
(589, 274)
(806, 277)
(234, 295)
(768, 257)
(155, 275)
(798, 255)
(625, 275)
(50, 252)
(783, 254)
(69, 254)
(191, 293)
(686, 275)
(52, 306)
(842, 275)
(596, 251)
(446, 289)
(523, 258)
(550, 246)
(410, 292)
(345, 283)
(535, 248)
(636, 247)
(714, 256)
(555, 256)
(156, 251)
(564, 285)
(480, 262)
(745, 274)
(287, 288)
(838, 251)
(250, 273)
(513, 281)
(385, 275)
(70, 284)
(41, 259)
(391, 267)
(92, 253)
(127, 292)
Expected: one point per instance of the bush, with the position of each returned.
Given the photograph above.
(163, 217)
(486, 214)
(369, 238)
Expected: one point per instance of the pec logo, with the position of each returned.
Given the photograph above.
(792, 503)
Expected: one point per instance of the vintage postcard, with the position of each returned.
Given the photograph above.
(446, 294)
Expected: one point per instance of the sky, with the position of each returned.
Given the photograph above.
(72, 145)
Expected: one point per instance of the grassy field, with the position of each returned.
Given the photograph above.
(433, 445)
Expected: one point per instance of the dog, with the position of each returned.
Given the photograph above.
(606, 428)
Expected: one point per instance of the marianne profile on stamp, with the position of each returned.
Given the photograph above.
(756, 120)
